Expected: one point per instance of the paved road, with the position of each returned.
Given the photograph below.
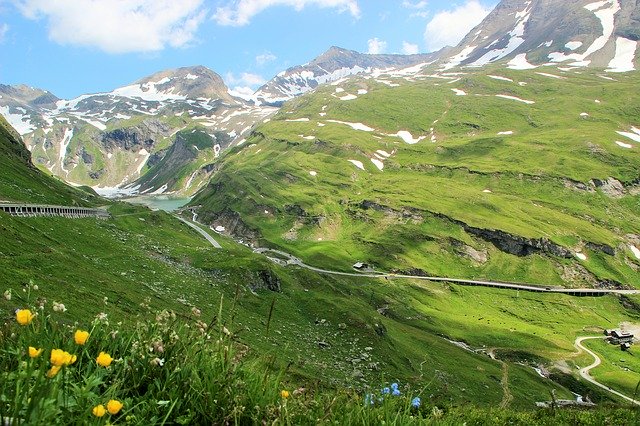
(202, 232)
(292, 260)
(584, 372)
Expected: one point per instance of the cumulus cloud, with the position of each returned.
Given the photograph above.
(409, 49)
(265, 57)
(243, 85)
(240, 12)
(244, 79)
(376, 46)
(417, 5)
(4, 29)
(448, 27)
(117, 26)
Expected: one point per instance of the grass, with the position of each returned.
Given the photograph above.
(188, 369)
(340, 338)
(428, 190)
(20, 181)
(163, 264)
(619, 370)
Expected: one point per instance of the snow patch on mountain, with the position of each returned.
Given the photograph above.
(605, 11)
(20, 122)
(520, 62)
(354, 126)
(516, 38)
(625, 56)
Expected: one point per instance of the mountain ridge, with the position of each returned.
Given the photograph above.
(332, 65)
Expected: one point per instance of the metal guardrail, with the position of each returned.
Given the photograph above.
(44, 210)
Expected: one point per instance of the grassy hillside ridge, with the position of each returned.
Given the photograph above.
(548, 171)
(20, 181)
(339, 331)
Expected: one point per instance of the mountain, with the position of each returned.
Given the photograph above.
(492, 173)
(334, 64)
(570, 33)
(21, 181)
(108, 140)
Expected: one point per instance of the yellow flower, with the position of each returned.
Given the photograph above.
(104, 359)
(99, 410)
(33, 352)
(114, 406)
(24, 316)
(60, 357)
(284, 394)
(53, 371)
(81, 337)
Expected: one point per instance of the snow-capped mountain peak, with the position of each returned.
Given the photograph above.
(575, 33)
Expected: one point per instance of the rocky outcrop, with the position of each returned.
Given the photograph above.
(407, 213)
(266, 279)
(233, 225)
(611, 187)
(517, 245)
(478, 256)
(604, 248)
(86, 157)
(142, 136)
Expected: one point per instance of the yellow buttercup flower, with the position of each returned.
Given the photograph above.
(24, 316)
(285, 394)
(33, 352)
(60, 357)
(81, 337)
(114, 406)
(53, 371)
(99, 410)
(104, 359)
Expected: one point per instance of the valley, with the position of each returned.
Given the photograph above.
(459, 228)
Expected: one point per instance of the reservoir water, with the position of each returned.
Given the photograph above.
(159, 202)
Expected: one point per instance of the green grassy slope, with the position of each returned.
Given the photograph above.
(335, 331)
(434, 202)
(326, 331)
(20, 181)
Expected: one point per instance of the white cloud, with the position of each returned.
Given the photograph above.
(240, 12)
(409, 49)
(118, 26)
(4, 28)
(265, 57)
(376, 46)
(244, 79)
(448, 27)
(417, 5)
(243, 92)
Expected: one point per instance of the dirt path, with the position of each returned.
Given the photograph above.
(584, 372)
(507, 398)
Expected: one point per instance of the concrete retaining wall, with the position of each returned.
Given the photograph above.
(37, 210)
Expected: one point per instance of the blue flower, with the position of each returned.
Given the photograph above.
(415, 402)
(395, 392)
(394, 386)
(369, 399)
(386, 391)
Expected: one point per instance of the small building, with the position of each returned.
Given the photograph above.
(618, 337)
(625, 346)
(360, 266)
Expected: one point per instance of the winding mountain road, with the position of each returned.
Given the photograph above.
(584, 372)
(294, 261)
(201, 231)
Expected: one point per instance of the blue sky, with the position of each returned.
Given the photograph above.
(71, 47)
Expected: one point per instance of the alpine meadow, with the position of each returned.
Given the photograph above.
(438, 235)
